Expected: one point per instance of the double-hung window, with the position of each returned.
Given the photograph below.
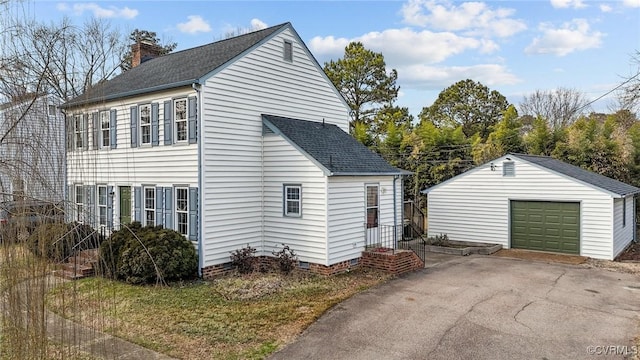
(149, 206)
(182, 210)
(372, 206)
(102, 205)
(181, 116)
(145, 124)
(105, 129)
(78, 126)
(293, 200)
(79, 192)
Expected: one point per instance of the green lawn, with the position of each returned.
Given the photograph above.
(242, 317)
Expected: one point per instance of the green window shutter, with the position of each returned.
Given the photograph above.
(134, 126)
(193, 120)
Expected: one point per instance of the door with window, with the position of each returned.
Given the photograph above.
(372, 205)
(125, 204)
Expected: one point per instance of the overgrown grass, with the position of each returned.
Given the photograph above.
(243, 317)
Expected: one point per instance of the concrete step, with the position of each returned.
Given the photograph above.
(82, 269)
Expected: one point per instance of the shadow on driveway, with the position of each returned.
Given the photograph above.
(482, 307)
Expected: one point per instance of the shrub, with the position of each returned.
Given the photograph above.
(244, 259)
(143, 255)
(286, 259)
(438, 240)
(58, 241)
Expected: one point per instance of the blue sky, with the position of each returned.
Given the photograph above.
(515, 47)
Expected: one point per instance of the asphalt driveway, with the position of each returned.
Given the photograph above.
(483, 307)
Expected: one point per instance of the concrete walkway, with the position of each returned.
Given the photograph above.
(482, 307)
(83, 338)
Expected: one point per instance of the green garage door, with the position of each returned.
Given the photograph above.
(546, 226)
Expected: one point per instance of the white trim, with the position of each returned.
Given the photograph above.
(100, 206)
(185, 211)
(147, 125)
(185, 120)
(287, 200)
(376, 206)
(144, 207)
(101, 129)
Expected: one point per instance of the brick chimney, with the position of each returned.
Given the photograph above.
(143, 51)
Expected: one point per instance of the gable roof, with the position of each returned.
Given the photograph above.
(329, 147)
(589, 178)
(585, 176)
(181, 68)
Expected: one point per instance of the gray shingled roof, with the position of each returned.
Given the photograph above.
(597, 180)
(331, 147)
(180, 68)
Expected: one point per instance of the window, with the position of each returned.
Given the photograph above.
(182, 210)
(78, 126)
(104, 129)
(292, 200)
(624, 212)
(17, 190)
(79, 203)
(150, 206)
(372, 206)
(145, 124)
(51, 110)
(508, 168)
(181, 116)
(102, 205)
(288, 51)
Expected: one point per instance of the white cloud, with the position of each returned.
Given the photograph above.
(405, 46)
(472, 18)
(570, 37)
(605, 8)
(257, 24)
(576, 4)
(98, 11)
(194, 25)
(439, 77)
(631, 3)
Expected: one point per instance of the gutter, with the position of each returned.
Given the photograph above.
(71, 104)
(196, 86)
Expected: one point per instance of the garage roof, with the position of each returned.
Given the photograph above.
(586, 176)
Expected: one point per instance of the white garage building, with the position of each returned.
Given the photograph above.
(536, 203)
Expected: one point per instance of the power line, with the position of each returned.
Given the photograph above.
(609, 92)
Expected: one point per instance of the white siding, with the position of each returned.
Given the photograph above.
(622, 230)
(32, 149)
(306, 235)
(347, 214)
(475, 205)
(161, 166)
(260, 82)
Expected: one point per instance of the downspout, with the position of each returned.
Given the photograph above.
(635, 221)
(395, 213)
(199, 138)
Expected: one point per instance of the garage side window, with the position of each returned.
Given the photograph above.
(293, 200)
(508, 168)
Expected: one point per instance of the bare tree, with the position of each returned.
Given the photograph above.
(560, 107)
(628, 95)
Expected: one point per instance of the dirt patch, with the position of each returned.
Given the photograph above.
(631, 253)
(541, 256)
(625, 267)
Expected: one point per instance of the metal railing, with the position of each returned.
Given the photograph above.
(389, 238)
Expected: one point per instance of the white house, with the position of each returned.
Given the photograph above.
(538, 203)
(32, 148)
(239, 142)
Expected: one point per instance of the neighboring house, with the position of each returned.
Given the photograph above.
(32, 149)
(235, 143)
(538, 203)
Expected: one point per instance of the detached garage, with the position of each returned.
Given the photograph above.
(537, 203)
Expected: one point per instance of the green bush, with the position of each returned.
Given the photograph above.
(58, 241)
(143, 255)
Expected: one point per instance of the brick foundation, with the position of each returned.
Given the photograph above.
(393, 261)
(268, 262)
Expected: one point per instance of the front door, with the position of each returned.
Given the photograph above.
(125, 204)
